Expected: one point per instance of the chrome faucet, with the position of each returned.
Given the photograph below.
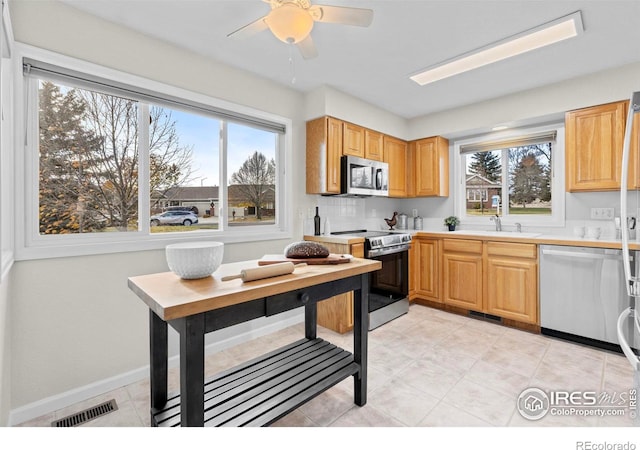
(518, 227)
(496, 219)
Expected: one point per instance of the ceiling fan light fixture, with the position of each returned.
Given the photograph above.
(290, 23)
(547, 34)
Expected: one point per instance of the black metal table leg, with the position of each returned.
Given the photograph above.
(158, 360)
(311, 321)
(191, 330)
(360, 336)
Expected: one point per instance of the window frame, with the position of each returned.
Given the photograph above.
(30, 244)
(557, 217)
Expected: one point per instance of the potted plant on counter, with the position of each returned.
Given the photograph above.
(451, 222)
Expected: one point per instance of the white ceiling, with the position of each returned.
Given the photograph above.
(373, 63)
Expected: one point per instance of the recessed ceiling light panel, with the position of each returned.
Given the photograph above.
(541, 36)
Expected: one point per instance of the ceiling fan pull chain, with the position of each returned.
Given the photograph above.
(292, 66)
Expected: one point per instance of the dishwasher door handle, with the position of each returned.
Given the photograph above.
(622, 340)
(581, 255)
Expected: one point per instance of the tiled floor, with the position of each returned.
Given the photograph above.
(426, 369)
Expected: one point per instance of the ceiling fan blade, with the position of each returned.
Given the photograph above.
(343, 15)
(250, 29)
(307, 48)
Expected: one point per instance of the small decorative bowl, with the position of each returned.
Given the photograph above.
(192, 260)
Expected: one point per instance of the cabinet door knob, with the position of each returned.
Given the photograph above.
(304, 298)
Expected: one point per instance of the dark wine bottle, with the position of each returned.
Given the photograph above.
(316, 223)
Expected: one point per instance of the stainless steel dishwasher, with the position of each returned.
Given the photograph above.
(582, 291)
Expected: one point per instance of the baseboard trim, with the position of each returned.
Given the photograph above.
(64, 399)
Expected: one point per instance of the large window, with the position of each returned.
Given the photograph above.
(114, 163)
(515, 176)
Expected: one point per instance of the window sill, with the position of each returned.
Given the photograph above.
(141, 243)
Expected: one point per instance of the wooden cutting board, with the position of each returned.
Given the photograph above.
(331, 259)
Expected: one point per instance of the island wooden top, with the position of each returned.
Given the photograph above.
(171, 297)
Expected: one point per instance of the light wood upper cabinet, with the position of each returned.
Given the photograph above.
(416, 169)
(432, 167)
(512, 281)
(373, 145)
(593, 143)
(324, 149)
(634, 154)
(462, 273)
(396, 155)
(353, 143)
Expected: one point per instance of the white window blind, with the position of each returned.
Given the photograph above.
(520, 141)
(39, 69)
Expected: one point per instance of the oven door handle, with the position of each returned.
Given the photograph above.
(387, 250)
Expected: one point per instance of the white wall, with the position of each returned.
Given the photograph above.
(524, 107)
(332, 102)
(5, 352)
(74, 322)
(6, 212)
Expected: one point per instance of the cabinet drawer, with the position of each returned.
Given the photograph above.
(512, 249)
(462, 246)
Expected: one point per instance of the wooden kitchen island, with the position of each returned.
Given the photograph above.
(260, 391)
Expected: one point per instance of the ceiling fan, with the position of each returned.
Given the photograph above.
(291, 21)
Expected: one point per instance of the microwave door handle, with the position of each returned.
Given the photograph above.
(378, 179)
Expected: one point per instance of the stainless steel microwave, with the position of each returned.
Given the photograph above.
(363, 177)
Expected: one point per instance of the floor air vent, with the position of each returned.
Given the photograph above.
(483, 316)
(88, 414)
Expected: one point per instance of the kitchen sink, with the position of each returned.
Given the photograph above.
(511, 234)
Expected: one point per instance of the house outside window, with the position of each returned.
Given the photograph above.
(479, 192)
(513, 175)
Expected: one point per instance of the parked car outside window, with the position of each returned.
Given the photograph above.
(185, 218)
(193, 209)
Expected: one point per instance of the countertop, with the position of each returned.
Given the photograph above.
(539, 238)
(345, 239)
(171, 297)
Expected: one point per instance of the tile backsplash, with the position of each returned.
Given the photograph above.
(347, 213)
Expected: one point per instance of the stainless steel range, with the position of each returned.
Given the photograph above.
(389, 286)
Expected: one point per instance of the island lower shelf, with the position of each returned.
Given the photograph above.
(262, 390)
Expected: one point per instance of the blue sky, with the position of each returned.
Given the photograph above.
(202, 132)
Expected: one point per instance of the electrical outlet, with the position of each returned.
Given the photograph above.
(602, 213)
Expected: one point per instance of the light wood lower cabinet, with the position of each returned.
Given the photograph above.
(336, 313)
(427, 266)
(462, 273)
(497, 278)
(512, 281)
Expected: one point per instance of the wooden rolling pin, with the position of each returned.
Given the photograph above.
(258, 273)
